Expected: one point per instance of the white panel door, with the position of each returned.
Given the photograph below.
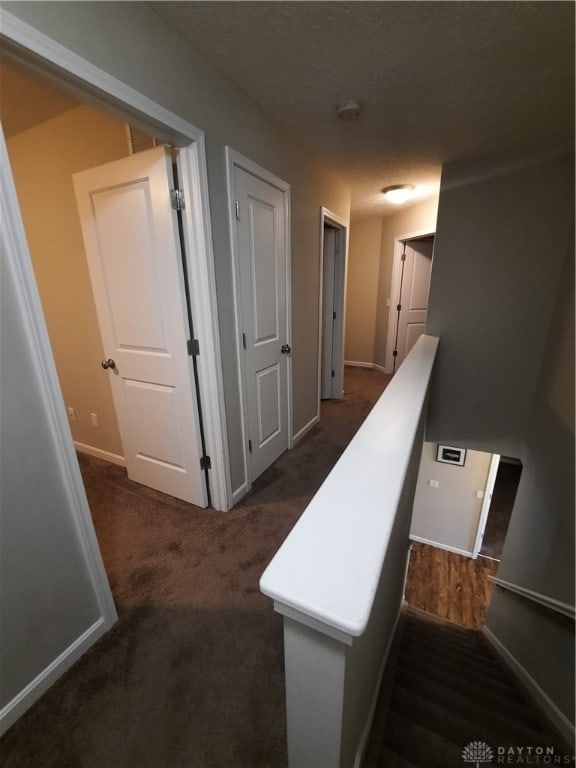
(414, 295)
(261, 233)
(132, 244)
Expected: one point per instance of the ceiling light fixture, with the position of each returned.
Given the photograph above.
(398, 193)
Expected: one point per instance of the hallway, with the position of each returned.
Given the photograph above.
(191, 676)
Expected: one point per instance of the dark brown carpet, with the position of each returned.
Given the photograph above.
(191, 676)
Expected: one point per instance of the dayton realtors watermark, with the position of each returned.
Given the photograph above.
(479, 754)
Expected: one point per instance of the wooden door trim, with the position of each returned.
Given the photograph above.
(236, 160)
(399, 241)
(38, 51)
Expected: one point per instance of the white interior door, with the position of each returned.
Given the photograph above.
(328, 262)
(414, 295)
(132, 245)
(261, 247)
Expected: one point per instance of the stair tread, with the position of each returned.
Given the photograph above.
(496, 679)
(420, 745)
(390, 759)
(450, 633)
(460, 696)
(462, 678)
(466, 724)
(422, 647)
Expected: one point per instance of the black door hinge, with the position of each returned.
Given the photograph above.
(333, 374)
(193, 347)
(399, 307)
(237, 209)
(395, 353)
(333, 315)
(403, 257)
(244, 340)
(205, 462)
(250, 445)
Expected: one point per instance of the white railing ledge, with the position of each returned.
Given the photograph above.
(329, 566)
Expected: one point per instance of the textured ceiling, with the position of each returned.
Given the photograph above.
(437, 81)
(26, 100)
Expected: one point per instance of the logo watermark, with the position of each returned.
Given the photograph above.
(480, 753)
(477, 752)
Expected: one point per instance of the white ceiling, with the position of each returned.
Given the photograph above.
(437, 81)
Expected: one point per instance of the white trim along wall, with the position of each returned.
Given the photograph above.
(37, 51)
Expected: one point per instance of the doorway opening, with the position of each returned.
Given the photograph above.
(109, 311)
(333, 249)
(411, 273)
(500, 508)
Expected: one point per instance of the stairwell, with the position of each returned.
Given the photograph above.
(453, 704)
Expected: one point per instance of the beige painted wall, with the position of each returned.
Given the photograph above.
(448, 515)
(417, 218)
(362, 289)
(43, 160)
(170, 71)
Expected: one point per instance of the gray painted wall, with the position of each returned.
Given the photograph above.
(46, 593)
(539, 549)
(165, 68)
(501, 235)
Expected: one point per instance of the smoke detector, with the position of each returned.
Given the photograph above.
(348, 109)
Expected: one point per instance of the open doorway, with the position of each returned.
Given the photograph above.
(500, 508)
(140, 410)
(101, 138)
(333, 248)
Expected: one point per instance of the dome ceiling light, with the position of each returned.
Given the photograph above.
(398, 193)
(348, 109)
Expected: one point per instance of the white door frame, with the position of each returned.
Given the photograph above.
(90, 83)
(340, 279)
(399, 241)
(488, 491)
(236, 160)
(16, 258)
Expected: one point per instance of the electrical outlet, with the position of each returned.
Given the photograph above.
(433, 483)
(94, 419)
(71, 413)
(479, 494)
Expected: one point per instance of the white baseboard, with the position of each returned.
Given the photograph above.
(438, 545)
(305, 429)
(537, 694)
(363, 743)
(32, 692)
(113, 458)
(241, 491)
(357, 364)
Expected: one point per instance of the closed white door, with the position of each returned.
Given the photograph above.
(261, 250)
(132, 245)
(414, 295)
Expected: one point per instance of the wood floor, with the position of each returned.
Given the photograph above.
(451, 586)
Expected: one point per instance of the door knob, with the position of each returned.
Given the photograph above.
(108, 364)
(285, 349)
